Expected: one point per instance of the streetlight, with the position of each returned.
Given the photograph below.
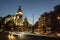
(58, 17)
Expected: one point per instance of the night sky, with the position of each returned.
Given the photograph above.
(38, 7)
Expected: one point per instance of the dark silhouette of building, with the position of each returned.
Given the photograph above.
(50, 22)
(55, 19)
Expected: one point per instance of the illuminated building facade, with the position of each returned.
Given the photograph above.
(16, 18)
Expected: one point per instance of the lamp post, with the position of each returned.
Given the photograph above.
(58, 19)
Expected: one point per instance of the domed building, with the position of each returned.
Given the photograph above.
(16, 18)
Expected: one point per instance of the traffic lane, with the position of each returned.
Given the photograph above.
(3, 36)
(7, 36)
(35, 37)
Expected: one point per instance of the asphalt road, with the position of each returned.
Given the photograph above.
(7, 36)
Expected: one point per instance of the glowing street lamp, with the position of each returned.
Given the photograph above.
(58, 17)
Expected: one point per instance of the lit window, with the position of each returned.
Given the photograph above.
(42, 24)
(18, 17)
(14, 17)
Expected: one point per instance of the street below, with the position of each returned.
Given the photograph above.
(7, 36)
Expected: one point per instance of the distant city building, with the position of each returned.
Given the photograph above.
(49, 22)
(55, 18)
(17, 18)
(52, 20)
(44, 22)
